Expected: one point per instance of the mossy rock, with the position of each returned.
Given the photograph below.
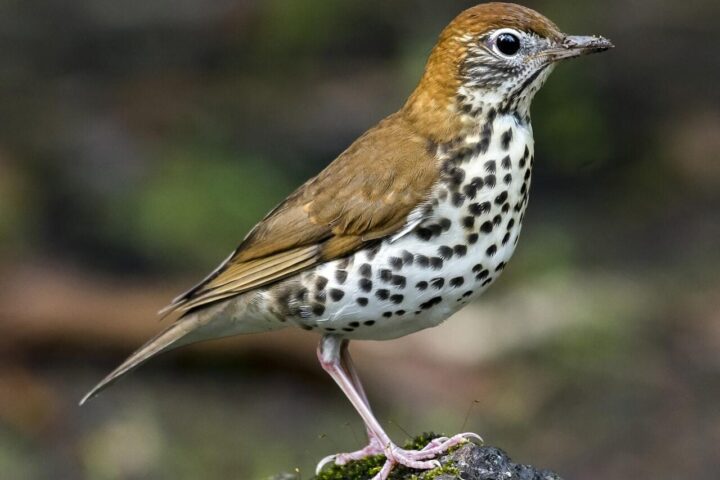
(465, 462)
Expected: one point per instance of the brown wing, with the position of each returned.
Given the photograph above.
(366, 194)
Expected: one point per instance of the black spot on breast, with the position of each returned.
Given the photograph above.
(336, 294)
(470, 191)
(457, 176)
(445, 252)
(421, 285)
(348, 329)
(479, 208)
(382, 294)
(341, 276)
(492, 250)
(472, 238)
(431, 303)
(399, 281)
(506, 163)
(507, 179)
(329, 329)
(482, 275)
(435, 228)
(369, 323)
(385, 275)
(490, 166)
(467, 294)
(387, 314)
(365, 284)
(500, 199)
(318, 309)
(396, 299)
(408, 257)
(423, 234)
(477, 267)
(436, 263)
(525, 157)
(321, 282)
(354, 324)
(400, 313)
(487, 282)
(362, 301)
(497, 220)
(320, 296)
(460, 250)
(445, 225)
(456, 282)
(396, 263)
(458, 199)
(511, 224)
(500, 267)
(468, 222)
(506, 139)
(506, 238)
(343, 264)
(490, 181)
(486, 227)
(506, 208)
(366, 270)
(422, 261)
(437, 282)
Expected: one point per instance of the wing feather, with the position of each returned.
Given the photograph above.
(366, 194)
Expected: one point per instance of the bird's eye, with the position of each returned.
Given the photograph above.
(507, 43)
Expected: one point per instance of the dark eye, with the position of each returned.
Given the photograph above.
(507, 44)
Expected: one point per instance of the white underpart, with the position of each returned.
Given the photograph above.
(340, 314)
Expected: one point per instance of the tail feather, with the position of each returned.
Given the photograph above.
(173, 336)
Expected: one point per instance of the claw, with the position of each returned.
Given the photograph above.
(470, 436)
(321, 464)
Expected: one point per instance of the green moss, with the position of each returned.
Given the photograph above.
(369, 467)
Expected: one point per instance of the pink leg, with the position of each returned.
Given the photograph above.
(335, 360)
(374, 447)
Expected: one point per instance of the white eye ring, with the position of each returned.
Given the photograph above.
(506, 42)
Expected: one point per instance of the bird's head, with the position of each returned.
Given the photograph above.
(492, 57)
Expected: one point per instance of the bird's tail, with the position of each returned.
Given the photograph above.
(235, 317)
(175, 335)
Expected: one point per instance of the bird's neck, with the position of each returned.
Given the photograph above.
(445, 113)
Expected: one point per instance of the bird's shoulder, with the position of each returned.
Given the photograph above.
(367, 193)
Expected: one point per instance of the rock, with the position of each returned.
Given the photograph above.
(475, 462)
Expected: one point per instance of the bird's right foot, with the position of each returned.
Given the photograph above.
(423, 459)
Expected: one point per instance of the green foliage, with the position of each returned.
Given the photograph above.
(197, 205)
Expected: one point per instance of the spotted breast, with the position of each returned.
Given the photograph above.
(466, 233)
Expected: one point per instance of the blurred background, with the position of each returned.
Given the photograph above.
(139, 142)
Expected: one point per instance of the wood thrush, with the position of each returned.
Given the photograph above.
(409, 224)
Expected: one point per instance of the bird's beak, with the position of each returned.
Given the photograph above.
(577, 45)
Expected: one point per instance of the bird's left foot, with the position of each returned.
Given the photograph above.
(416, 459)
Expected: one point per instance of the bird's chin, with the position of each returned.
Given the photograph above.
(575, 46)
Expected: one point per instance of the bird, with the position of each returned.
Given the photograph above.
(413, 221)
